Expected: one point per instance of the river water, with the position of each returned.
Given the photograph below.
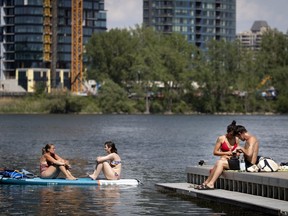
(153, 148)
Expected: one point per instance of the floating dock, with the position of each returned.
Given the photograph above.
(264, 192)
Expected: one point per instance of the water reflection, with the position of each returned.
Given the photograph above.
(60, 200)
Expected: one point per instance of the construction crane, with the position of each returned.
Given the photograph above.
(263, 81)
(50, 37)
(76, 46)
(50, 42)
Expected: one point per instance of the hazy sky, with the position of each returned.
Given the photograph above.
(128, 13)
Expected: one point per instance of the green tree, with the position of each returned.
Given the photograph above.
(176, 55)
(220, 75)
(113, 99)
(110, 55)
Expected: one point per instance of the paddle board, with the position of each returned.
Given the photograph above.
(63, 181)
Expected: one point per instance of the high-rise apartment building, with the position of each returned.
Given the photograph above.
(252, 38)
(37, 33)
(198, 20)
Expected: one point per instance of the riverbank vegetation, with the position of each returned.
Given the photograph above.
(142, 71)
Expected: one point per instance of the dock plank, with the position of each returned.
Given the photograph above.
(262, 204)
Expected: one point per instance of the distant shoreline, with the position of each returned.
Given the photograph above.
(184, 114)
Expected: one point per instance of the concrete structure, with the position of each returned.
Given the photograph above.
(37, 34)
(268, 206)
(29, 78)
(11, 88)
(198, 20)
(271, 184)
(252, 39)
(265, 192)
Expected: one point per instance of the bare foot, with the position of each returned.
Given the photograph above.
(71, 178)
(92, 177)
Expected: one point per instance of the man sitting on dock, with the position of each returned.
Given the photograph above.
(251, 147)
(250, 152)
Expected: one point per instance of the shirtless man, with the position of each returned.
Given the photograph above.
(250, 152)
(251, 147)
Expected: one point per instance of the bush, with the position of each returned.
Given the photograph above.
(156, 107)
(57, 105)
(181, 107)
(73, 104)
(114, 99)
(282, 104)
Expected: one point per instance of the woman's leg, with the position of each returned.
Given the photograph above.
(98, 169)
(219, 167)
(67, 173)
(50, 172)
(109, 172)
(212, 171)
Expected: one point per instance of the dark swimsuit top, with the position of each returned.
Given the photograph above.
(224, 147)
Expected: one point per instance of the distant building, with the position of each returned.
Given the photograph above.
(198, 20)
(35, 34)
(252, 39)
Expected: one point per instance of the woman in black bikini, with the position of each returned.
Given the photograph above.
(109, 164)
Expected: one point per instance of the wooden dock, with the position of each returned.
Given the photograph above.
(264, 192)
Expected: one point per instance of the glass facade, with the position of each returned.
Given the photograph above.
(22, 32)
(198, 20)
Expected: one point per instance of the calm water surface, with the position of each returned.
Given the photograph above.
(154, 149)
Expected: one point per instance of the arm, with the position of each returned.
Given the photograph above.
(102, 159)
(248, 149)
(52, 160)
(217, 151)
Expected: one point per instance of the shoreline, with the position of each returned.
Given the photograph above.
(184, 114)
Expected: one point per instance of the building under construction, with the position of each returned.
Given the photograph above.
(44, 40)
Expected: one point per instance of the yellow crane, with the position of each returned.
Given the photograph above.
(263, 81)
(76, 46)
(50, 41)
(50, 37)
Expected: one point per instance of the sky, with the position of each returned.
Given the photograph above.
(128, 13)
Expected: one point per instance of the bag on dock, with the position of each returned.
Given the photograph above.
(267, 164)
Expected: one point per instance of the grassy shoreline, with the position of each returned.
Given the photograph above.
(86, 105)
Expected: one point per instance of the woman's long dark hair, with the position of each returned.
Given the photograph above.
(111, 145)
(46, 148)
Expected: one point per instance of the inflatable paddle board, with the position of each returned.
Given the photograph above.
(63, 181)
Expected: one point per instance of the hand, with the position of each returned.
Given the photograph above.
(67, 166)
(229, 153)
(238, 149)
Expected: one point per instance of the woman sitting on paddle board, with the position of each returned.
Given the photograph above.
(52, 164)
(109, 164)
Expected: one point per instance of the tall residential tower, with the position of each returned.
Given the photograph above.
(37, 34)
(198, 20)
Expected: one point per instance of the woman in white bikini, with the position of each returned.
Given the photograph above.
(52, 164)
(109, 164)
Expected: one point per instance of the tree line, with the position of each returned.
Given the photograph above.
(143, 70)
